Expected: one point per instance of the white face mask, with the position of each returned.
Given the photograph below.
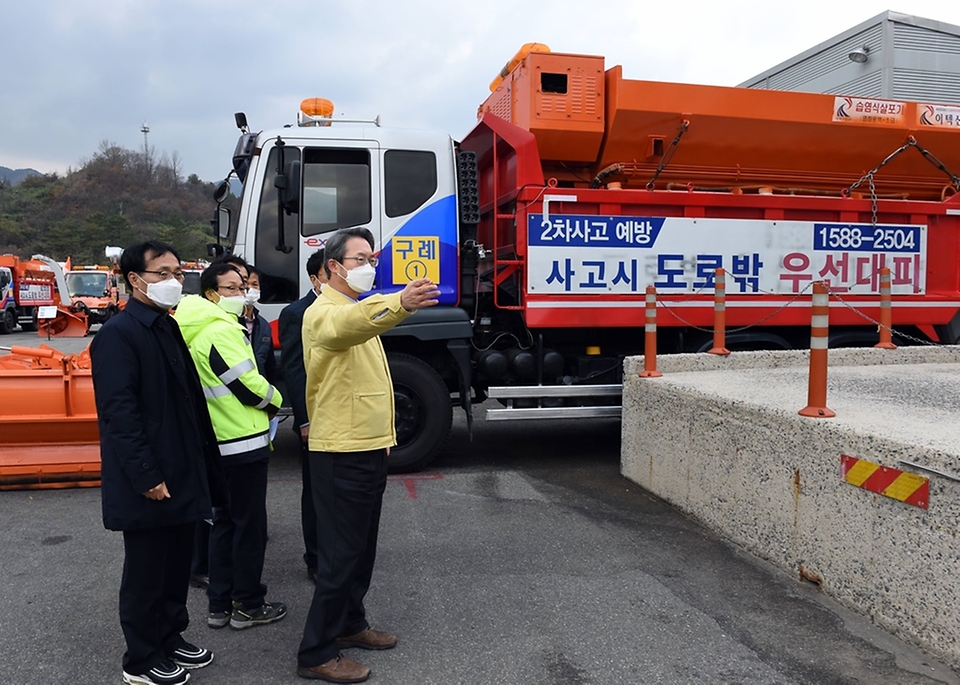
(252, 297)
(232, 305)
(165, 294)
(361, 279)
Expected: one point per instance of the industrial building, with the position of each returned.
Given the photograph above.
(893, 56)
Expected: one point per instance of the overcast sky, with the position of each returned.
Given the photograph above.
(79, 72)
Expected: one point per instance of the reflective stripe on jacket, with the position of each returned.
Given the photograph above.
(238, 397)
(349, 389)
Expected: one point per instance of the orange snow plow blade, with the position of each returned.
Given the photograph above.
(49, 423)
(67, 324)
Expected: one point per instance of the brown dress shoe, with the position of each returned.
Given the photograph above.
(368, 639)
(339, 669)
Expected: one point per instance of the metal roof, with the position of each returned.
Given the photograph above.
(855, 34)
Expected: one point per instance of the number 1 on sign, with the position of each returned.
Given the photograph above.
(415, 257)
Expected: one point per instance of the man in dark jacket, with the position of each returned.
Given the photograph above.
(159, 458)
(258, 329)
(291, 361)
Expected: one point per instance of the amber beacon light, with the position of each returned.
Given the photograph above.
(522, 53)
(317, 107)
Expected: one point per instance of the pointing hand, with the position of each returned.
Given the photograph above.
(419, 294)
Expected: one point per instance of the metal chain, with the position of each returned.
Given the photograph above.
(930, 157)
(661, 303)
(692, 295)
(927, 155)
(870, 174)
(742, 328)
(877, 323)
(833, 293)
(668, 155)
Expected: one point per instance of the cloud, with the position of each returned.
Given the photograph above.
(95, 70)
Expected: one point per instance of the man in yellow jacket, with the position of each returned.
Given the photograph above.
(350, 404)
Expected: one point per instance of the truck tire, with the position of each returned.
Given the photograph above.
(31, 325)
(8, 322)
(424, 413)
(110, 312)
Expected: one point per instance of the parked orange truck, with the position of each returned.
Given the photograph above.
(95, 291)
(576, 190)
(25, 285)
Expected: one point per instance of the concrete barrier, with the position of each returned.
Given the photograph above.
(720, 439)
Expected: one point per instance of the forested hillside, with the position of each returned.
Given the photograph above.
(117, 198)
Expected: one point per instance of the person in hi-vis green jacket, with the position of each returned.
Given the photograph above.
(241, 403)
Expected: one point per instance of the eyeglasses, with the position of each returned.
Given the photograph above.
(372, 261)
(233, 289)
(166, 275)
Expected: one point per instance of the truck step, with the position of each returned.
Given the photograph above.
(529, 413)
(528, 394)
(513, 391)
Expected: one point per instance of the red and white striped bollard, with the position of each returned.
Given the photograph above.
(886, 312)
(819, 343)
(719, 313)
(650, 336)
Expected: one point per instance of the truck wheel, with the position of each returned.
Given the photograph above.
(423, 413)
(31, 325)
(8, 322)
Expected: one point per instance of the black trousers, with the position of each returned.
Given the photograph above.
(153, 593)
(348, 494)
(238, 539)
(201, 550)
(308, 512)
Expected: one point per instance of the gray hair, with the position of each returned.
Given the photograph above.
(335, 247)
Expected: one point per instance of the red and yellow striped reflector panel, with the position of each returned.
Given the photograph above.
(887, 481)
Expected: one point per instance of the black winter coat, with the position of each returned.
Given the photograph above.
(154, 425)
(261, 340)
(291, 357)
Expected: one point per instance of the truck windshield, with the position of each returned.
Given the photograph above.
(336, 189)
(191, 282)
(87, 284)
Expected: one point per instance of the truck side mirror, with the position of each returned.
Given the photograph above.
(221, 192)
(221, 223)
(243, 153)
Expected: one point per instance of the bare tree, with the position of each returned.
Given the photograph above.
(176, 166)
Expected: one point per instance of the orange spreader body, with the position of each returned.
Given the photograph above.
(586, 118)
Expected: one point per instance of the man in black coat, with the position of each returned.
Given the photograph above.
(291, 360)
(159, 460)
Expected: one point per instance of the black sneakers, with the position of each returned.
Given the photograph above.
(173, 669)
(247, 618)
(218, 619)
(190, 656)
(164, 673)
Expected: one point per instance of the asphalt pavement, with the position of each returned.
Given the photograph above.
(520, 557)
